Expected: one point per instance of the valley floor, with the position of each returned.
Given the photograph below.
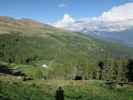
(12, 88)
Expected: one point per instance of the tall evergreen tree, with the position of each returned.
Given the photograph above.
(129, 73)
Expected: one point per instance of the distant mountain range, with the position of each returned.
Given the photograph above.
(123, 37)
(117, 31)
(116, 24)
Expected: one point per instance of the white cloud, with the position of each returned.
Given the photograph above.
(118, 18)
(120, 13)
(65, 22)
(62, 5)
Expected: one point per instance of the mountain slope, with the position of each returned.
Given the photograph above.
(30, 46)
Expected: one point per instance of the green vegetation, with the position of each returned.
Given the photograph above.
(14, 89)
(66, 55)
(26, 46)
(32, 54)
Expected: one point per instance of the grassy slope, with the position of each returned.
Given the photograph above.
(14, 89)
(62, 51)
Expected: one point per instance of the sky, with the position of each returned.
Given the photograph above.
(53, 10)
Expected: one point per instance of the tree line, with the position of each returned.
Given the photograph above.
(118, 69)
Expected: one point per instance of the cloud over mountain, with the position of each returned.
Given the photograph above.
(119, 13)
(119, 18)
(65, 22)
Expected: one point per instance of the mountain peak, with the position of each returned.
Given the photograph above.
(6, 19)
(12, 22)
(30, 22)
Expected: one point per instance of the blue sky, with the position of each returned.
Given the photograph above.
(53, 10)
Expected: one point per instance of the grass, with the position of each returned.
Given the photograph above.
(64, 52)
(15, 89)
(61, 51)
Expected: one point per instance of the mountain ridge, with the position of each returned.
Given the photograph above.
(66, 53)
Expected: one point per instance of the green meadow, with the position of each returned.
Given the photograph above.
(12, 88)
(36, 59)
